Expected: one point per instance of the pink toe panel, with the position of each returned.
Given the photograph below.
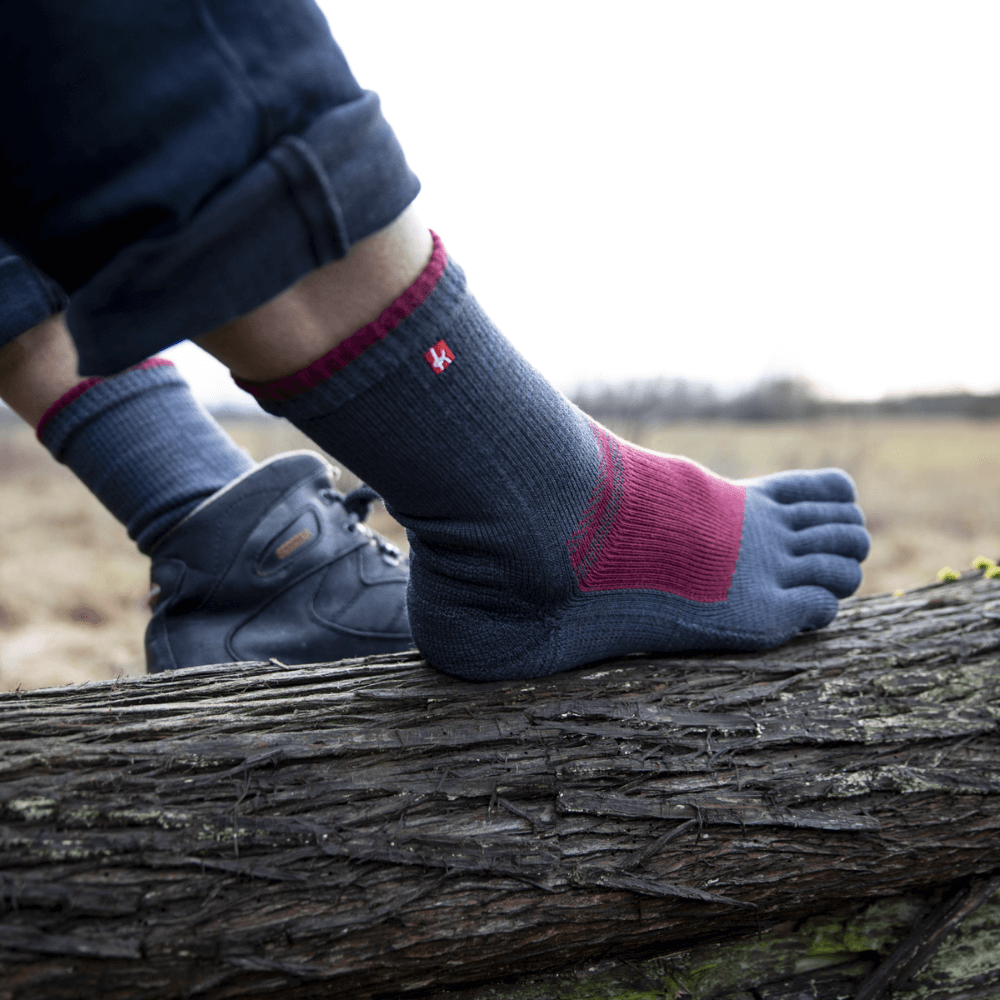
(657, 522)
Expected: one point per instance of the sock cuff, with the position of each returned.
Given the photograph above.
(93, 395)
(408, 344)
(63, 401)
(294, 385)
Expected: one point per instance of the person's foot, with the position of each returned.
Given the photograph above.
(539, 541)
(277, 564)
(666, 557)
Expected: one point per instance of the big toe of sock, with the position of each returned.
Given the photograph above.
(798, 485)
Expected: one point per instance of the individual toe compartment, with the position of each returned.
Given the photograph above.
(837, 539)
(811, 607)
(809, 513)
(800, 485)
(841, 575)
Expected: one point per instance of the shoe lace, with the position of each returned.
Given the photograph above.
(358, 504)
(360, 501)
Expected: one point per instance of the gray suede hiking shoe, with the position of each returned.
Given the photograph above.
(276, 564)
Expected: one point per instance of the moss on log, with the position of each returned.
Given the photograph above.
(827, 957)
(373, 828)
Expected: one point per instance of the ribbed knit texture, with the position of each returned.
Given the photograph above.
(539, 540)
(143, 446)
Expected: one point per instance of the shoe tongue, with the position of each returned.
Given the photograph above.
(214, 533)
(274, 477)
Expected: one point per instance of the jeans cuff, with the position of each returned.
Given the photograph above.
(299, 207)
(27, 296)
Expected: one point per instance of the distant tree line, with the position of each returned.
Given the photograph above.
(666, 400)
(663, 400)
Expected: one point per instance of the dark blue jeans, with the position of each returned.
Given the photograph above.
(173, 164)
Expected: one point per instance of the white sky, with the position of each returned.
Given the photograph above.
(711, 190)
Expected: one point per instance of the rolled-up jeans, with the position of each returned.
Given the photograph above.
(170, 165)
(26, 295)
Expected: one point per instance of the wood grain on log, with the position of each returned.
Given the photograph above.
(374, 828)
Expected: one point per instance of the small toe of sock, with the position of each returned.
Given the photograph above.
(837, 539)
(815, 607)
(840, 575)
(799, 485)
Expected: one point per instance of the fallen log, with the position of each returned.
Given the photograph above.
(942, 946)
(374, 828)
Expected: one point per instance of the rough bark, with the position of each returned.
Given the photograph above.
(854, 953)
(374, 828)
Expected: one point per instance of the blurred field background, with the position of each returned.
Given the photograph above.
(73, 588)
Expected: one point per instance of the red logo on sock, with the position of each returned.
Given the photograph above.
(439, 357)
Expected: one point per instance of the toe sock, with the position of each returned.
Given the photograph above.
(539, 540)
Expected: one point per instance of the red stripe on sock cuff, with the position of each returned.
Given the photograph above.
(88, 383)
(151, 363)
(358, 342)
(63, 401)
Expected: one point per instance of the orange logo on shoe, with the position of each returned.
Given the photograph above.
(439, 357)
(285, 549)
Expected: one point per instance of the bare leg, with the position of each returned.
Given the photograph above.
(37, 368)
(325, 307)
(278, 338)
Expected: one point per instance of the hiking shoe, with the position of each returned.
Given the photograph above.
(277, 564)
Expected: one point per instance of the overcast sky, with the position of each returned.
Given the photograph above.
(711, 190)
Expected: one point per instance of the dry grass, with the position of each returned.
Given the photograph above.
(72, 586)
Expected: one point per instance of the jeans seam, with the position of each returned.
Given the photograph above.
(315, 192)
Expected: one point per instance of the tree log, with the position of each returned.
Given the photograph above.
(373, 828)
(944, 946)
